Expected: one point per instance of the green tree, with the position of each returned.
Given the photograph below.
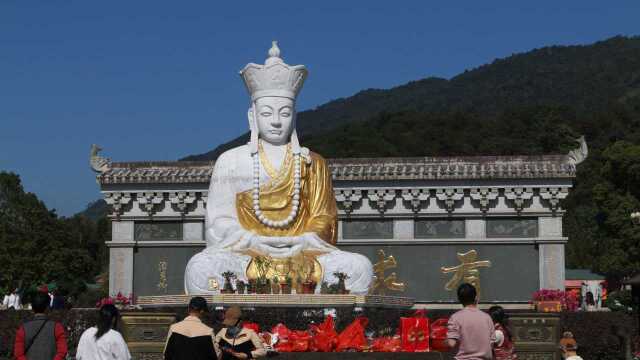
(37, 245)
(601, 232)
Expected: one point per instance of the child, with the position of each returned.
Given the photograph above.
(569, 346)
(503, 346)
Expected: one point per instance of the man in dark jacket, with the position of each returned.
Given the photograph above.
(190, 339)
(40, 338)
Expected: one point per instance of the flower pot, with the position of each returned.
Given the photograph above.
(309, 287)
(275, 288)
(548, 306)
(263, 287)
(240, 287)
(285, 288)
(251, 287)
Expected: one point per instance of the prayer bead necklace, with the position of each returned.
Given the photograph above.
(295, 202)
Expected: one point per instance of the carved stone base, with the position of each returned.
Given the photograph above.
(536, 335)
(146, 333)
(293, 300)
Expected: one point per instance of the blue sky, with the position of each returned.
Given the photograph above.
(158, 80)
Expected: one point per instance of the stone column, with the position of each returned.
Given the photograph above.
(403, 229)
(193, 231)
(475, 229)
(121, 258)
(551, 256)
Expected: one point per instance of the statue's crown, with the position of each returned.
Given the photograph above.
(274, 78)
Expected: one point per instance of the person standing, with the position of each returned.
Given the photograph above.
(236, 342)
(569, 346)
(190, 339)
(40, 338)
(503, 348)
(470, 331)
(103, 341)
(12, 301)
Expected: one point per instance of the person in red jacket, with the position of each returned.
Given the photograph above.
(40, 338)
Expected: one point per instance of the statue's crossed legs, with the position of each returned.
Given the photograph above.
(211, 263)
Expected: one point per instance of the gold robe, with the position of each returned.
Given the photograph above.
(317, 211)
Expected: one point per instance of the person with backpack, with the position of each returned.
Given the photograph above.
(503, 348)
(40, 338)
(103, 341)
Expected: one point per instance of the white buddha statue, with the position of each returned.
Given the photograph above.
(273, 199)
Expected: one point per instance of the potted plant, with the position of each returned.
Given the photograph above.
(551, 300)
(342, 289)
(252, 286)
(228, 287)
(119, 301)
(324, 288)
(308, 286)
(240, 286)
(275, 285)
(285, 286)
(305, 276)
(263, 264)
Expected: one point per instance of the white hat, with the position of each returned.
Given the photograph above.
(274, 78)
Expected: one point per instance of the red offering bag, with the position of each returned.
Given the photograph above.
(299, 340)
(251, 325)
(439, 335)
(352, 337)
(283, 344)
(324, 337)
(415, 332)
(387, 344)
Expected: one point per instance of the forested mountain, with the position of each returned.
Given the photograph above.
(575, 80)
(531, 103)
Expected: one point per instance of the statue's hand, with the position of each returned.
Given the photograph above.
(279, 246)
(288, 246)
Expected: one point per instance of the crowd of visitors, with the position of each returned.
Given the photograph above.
(472, 334)
(15, 301)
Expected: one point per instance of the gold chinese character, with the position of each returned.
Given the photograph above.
(466, 272)
(380, 282)
(162, 269)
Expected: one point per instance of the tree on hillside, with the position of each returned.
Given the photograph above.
(38, 247)
(601, 233)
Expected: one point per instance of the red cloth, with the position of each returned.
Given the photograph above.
(251, 325)
(387, 344)
(324, 336)
(61, 343)
(291, 340)
(439, 335)
(299, 340)
(415, 333)
(352, 337)
(283, 344)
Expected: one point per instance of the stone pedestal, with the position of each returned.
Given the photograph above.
(536, 335)
(146, 333)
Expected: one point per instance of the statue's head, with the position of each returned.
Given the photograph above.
(274, 117)
(273, 87)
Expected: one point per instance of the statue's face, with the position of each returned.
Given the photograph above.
(275, 119)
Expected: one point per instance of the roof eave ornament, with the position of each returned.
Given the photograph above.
(98, 163)
(579, 154)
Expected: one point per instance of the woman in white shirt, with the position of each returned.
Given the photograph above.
(103, 342)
